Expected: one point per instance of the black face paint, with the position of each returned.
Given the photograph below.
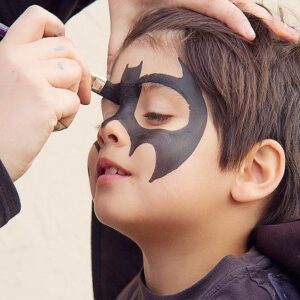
(172, 148)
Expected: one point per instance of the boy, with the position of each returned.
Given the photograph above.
(199, 145)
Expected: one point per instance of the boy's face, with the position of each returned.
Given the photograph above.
(158, 130)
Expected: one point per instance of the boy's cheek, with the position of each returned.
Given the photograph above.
(91, 164)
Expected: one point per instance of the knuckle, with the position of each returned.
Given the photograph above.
(69, 46)
(35, 11)
(41, 16)
(68, 43)
(76, 102)
(76, 68)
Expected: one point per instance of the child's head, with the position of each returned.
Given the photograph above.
(228, 158)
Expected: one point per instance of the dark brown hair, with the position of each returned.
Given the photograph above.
(253, 90)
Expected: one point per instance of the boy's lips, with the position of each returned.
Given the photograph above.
(106, 167)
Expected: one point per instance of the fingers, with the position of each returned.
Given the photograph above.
(56, 48)
(84, 91)
(66, 105)
(274, 24)
(34, 24)
(229, 12)
(63, 73)
(226, 12)
(232, 15)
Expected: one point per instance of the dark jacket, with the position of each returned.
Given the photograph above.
(9, 199)
(12, 9)
(271, 270)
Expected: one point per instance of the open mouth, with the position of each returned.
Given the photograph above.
(107, 167)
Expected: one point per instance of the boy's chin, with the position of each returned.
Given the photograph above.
(115, 214)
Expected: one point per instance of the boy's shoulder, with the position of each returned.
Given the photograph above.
(256, 276)
(250, 276)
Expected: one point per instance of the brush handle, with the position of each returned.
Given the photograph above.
(98, 83)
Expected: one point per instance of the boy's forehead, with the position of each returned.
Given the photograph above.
(155, 60)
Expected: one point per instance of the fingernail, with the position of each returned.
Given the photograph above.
(291, 31)
(249, 32)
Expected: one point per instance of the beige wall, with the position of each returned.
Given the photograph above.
(45, 251)
(289, 8)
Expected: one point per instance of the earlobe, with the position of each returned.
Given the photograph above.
(260, 172)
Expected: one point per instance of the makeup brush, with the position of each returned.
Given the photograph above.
(97, 82)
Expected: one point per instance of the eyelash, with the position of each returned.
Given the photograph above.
(152, 116)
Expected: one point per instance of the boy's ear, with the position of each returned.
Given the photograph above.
(260, 172)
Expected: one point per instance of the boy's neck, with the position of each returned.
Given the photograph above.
(179, 263)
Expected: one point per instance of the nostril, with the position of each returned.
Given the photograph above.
(113, 138)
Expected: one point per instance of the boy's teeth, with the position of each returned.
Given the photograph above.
(111, 171)
(121, 173)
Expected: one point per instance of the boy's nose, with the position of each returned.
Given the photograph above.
(113, 133)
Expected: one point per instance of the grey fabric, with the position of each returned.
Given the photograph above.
(244, 277)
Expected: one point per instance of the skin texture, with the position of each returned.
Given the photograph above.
(172, 148)
(172, 209)
(193, 212)
(54, 80)
(51, 83)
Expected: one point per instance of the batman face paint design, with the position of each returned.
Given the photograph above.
(172, 148)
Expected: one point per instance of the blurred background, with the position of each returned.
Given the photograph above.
(45, 250)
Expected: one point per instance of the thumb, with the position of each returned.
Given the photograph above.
(34, 24)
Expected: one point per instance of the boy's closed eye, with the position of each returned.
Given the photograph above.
(158, 107)
(161, 107)
(156, 118)
(109, 109)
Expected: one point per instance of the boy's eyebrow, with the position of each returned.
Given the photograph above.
(169, 92)
(149, 86)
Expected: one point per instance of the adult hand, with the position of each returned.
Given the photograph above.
(124, 13)
(43, 80)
